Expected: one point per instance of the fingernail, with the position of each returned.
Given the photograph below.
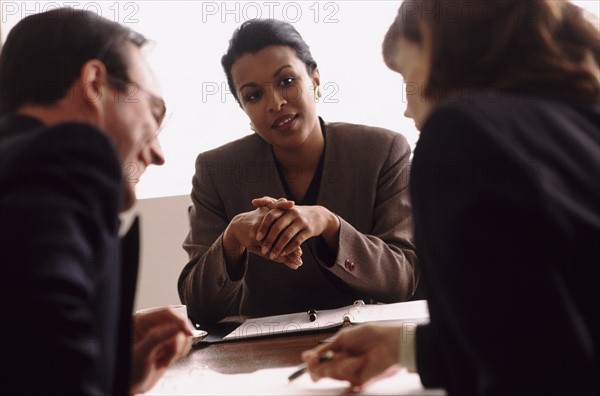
(264, 250)
(259, 236)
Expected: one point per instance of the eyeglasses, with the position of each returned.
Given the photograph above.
(131, 88)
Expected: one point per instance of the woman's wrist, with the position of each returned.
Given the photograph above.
(331, 231)
(232, 248)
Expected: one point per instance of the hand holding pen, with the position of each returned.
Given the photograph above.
(304, 367)
(356, 354)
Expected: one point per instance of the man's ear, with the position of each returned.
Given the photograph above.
(93, 77)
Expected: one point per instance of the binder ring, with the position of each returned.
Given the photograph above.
(358, 304)
(348, 318)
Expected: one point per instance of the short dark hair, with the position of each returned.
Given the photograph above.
(256, 34)
(536, 47)
(44, 53)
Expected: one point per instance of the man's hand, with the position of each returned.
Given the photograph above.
(160, 338)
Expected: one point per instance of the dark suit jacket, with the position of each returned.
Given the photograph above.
(506, 200)
(67, 299)
(364, 181)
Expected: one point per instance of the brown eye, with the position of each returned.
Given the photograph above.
(286, 82)
(252, 96)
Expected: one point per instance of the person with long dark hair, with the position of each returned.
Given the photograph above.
(505, 197)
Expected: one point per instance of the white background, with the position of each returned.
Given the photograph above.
(190, 38)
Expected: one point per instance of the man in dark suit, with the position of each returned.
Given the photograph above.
(78, 105)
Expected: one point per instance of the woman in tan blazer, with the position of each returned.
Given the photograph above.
(341, 228)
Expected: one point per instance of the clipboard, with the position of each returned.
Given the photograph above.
(415, 311)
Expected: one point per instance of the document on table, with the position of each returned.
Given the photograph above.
(274, 382)
(416, 311)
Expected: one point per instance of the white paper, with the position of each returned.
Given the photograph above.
(274, 382)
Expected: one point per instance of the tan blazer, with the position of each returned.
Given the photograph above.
(364, 181)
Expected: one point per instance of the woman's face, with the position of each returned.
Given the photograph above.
(412, 61)
(277, 93)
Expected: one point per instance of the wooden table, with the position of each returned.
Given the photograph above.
(240, 367)
(248, 355)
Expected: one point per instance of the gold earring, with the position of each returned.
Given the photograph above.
(317, 93)
(252, 127)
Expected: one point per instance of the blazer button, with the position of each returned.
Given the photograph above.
(220, 281)
(349, 265)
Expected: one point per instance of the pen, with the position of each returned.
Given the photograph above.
(303, 367)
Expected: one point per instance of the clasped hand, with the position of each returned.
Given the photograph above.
(277, 227)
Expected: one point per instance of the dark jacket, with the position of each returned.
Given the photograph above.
(66, 319)
(506, 197)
